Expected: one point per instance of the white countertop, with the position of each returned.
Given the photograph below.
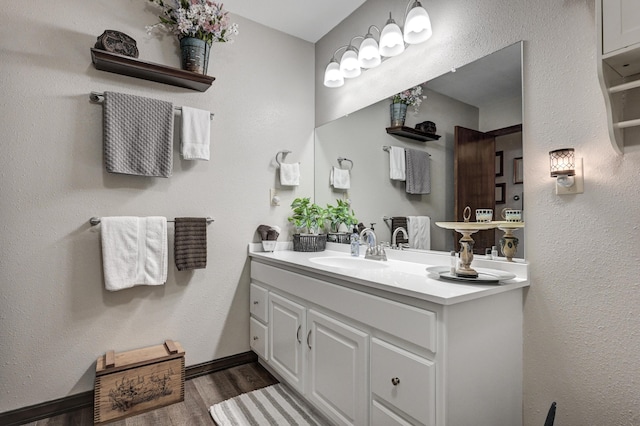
(406, 272)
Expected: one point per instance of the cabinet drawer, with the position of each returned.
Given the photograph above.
(382, 416)
(403, 380)
(258, 335)
(258, 300)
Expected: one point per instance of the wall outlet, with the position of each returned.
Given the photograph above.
(578, 182)
(274, 198)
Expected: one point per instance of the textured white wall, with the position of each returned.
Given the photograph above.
(55, 316)
(581, 313)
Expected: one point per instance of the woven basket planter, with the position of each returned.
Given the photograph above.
(308, 243)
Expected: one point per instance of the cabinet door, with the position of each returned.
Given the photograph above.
(338, 357)
(620, 24)
(286, 331)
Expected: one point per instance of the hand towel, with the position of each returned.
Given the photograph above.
(399, 222)
(419, 230)
(190, 243)
(418, 173)
(138, 135)
(134, 251)
(289, 174)
(340, 178)
(196, 134)
(397, 167)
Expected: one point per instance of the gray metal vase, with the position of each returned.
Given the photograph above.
(195, 54)
(398, 114)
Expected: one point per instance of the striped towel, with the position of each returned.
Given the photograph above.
(399, 222)
(190, 243)
(273, 405)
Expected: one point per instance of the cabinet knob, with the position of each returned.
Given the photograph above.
(255, 337)
(395, 381)
(255, 302)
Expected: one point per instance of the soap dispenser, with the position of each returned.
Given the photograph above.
(355, 243)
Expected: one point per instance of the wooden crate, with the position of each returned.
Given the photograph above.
(133, 382)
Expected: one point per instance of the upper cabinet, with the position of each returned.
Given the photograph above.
(618, 31)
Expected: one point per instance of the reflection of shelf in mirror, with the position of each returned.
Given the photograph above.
(132, 67)
(411, 133)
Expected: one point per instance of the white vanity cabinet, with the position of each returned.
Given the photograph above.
(364, 356)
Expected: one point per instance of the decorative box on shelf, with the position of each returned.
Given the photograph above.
(130, 383)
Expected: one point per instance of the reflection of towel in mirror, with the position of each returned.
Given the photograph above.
(399, 222)
(196, 133)
(340, 178)
(397, 166)
(290, 174)
(418, 174)
(419, 230)
(134, 251)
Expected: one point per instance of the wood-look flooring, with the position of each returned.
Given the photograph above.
(200, 393)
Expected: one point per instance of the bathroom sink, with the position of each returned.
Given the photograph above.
(350, 263)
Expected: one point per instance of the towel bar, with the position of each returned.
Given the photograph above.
(284, 154)
(341, 159)
(98, 98)
(96, 221)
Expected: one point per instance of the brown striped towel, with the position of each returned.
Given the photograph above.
(190, 243)
(399, 222)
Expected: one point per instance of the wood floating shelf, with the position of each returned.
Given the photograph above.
(411, 133)
(133, 67)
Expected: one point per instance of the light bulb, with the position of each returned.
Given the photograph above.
(332, 75)
(417, 27)
(349, 65)
(369, 55)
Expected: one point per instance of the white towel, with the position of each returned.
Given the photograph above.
(397, 166)
(419, 230)
(196, 134)
(340, 178)
(134, 251)
(290, 174)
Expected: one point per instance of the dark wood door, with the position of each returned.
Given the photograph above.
(475, 180)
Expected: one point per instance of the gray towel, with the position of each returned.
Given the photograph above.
(138, 135)
(190, 243)
(418, 175)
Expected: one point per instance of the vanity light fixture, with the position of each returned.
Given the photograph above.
(417, 29)
(567, 171)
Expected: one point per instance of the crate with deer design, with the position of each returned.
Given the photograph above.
(130, 383)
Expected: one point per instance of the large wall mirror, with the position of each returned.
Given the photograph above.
(477, 105)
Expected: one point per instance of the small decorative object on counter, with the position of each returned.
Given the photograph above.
(426, 127)
(116, 42)
(197, 24)
(494, 253)
(355, 243)
(454, 262)
(268, 235)
(308, 218)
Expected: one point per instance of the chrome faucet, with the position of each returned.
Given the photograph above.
(395, 235)
(374, 251)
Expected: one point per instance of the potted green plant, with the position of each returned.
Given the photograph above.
(308, 218)
(338, 215)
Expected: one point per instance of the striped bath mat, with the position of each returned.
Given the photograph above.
(273, 405)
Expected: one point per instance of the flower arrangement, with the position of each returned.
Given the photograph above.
(202, 19)
(412, 97)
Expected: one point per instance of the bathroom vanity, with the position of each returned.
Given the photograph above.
(387, 343)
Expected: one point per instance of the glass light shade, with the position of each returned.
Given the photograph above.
(417, 27)
(349, 65)
(562, 162)
(369, 55)
(332, 75)
(391, 41)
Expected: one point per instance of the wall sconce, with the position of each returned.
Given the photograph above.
(567, 171)
(417, 29)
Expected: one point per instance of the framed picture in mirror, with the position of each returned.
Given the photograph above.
(500, 190)
(499, 163)
(517, 170)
